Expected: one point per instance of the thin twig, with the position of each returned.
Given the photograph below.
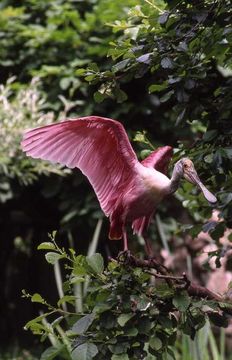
(193, 289)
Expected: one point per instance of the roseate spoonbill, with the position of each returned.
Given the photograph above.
(128, 190)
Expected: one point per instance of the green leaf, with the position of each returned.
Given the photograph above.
(82, 325)
(166, 96)
(90, 78)
(230, 237)
(155, 343)
(37, 298)
(80, 266)
(119, 348)
(80, 72)
(35, 320)
(131, 331)
(141, 302)
(181, 301)
(46, 246)
(124, 318)
(99, 97)
(120, 357)
(120, 65)
(209, 158)
(166, 63)
(210, 135)
(96, 263)
(65, 83)
(144, 326)
(145, 59)
(53, 257)
(164, 18)
(209, 226)
(93, 67)
(86, 351)
(52, 352)
(121, 96)
(66, 298)
(158, 87)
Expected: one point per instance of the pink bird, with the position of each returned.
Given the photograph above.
(128, 190)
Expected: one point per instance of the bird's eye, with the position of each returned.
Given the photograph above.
(185, 166)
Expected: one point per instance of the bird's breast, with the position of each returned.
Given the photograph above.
(145, 195)
(156, 183)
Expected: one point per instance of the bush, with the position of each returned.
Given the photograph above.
(125, 311)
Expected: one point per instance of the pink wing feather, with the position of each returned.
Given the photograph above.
(159, 159)
(98, 146)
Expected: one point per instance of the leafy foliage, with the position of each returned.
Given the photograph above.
(125, 314)
(21, 109)
(53, 39)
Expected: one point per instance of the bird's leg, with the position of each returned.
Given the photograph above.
(148, 248)
(125, 241)
(125, 254)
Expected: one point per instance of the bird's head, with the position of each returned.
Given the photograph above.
(185, 168)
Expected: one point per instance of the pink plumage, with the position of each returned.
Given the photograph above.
(100, 148)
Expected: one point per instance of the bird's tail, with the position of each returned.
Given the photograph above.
(141, 224)
(115, 232)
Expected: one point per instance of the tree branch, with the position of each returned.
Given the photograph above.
(179, 282)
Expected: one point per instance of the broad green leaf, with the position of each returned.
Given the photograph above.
(82, 325)
(46, 246)
(123, 318)
(94, 67)
(155, 343)
(145, 153)
(166, 63)
(96, 263)
(131, 331)
(164, 17)
(53, 257)
(99, 97)
(120, 357)
(86, 351)
(210, 135)
(35, 320)
(119, 348)
(181, 301)
(121, 96)
(80, 266)
(80, 72)
(120, 65)
(141, 302)
(144, 325)
(166, 96)
(37, 298)
(145, 59)
(66, 298)
(52, 352)
(158, 87)
(90, 78)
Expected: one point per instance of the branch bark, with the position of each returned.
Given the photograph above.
(179, 282)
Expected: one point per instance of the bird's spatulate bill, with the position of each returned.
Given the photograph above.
(207, 194)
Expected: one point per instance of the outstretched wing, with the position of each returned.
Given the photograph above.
(158, 159)
(98, 146)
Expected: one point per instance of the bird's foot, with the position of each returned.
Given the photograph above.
(124, 256)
